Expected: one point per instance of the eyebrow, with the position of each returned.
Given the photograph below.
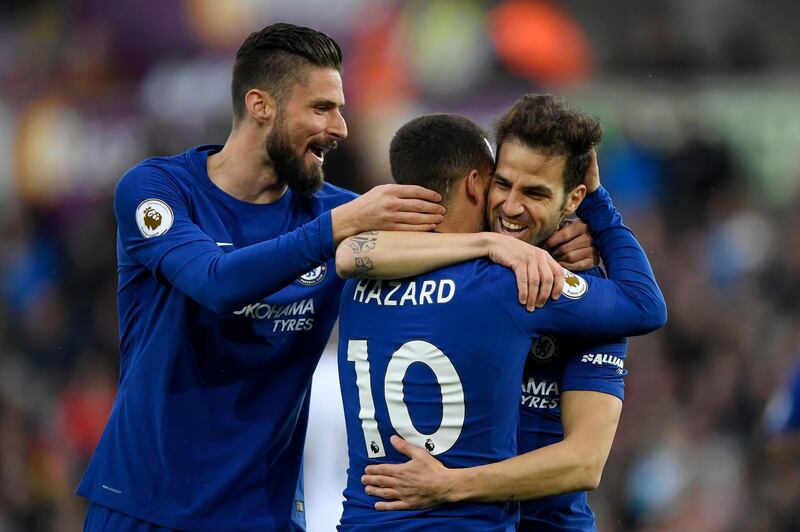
(541, 190)
(329, 104)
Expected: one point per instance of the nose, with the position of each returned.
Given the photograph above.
(511, 205)
(337, 127)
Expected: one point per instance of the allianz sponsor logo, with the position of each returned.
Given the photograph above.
(541, 394)
(601, 358)
(285, 316)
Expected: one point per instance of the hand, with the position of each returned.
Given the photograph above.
(592, 178)
(388, 208)
(538, 275)
(572, 246)
(420, 483)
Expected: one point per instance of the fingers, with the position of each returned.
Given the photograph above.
(592, 178)
(392, 505)
(581, 265)
(407, 227)
(383, 493)
(579, 242)
(546, 281)
(403, 446)
(379, 481)
(567, 232)
(414, 191)
(521, 273)
(387, 470)
(558, 279)
(413, 218)
(532, 269)
(580, 259)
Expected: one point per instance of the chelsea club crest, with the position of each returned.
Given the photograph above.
(313, 277)
(543, 349)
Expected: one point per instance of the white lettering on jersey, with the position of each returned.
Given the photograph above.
(431, 292)
(600, 358)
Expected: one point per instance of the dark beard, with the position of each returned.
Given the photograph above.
(290, 168)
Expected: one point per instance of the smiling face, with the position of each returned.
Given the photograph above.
(308, 124)
(527, 199)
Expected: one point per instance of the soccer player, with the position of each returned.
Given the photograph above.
(437, 358)
(227, 298)
(572, 390)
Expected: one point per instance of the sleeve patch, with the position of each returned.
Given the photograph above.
(154, 217)
(574, 285)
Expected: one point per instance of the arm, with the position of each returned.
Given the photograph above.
(394, 255)
(576, 463)
(190, 260)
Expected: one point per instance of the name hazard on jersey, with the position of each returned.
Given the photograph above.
(285, 316)
(395, 293)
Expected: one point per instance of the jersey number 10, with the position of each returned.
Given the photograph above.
(452, 392)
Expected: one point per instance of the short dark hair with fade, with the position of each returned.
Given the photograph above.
(274, 58)
(436, 150)
(544, 122)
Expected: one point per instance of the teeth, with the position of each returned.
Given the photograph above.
(320, 157)
(511, 226)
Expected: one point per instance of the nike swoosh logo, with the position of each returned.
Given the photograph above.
(220, 244)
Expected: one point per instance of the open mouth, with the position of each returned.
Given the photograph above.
(511, 227)
(318, 151)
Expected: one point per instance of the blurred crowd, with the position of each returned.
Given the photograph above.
(702, 113)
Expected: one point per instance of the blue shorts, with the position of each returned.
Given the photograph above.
(102, 519)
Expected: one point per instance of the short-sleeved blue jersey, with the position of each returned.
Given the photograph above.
(225, 308)
(438, 358)
(556, 365)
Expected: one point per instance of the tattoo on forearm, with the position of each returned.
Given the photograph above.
(362, 245)
(363, 265)
(364, 242)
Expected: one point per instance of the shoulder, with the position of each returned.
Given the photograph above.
(169, 174)
(331, 196)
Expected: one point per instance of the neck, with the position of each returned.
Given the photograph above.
(460, 218)
(242, 170)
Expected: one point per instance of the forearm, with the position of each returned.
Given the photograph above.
(225, 282)
(550, 470)
(398, 254)
(625, 260)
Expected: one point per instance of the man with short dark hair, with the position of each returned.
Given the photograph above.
(572, 389)
(445, 373)
(226, 301)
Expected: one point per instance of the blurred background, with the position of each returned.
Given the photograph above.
(701, 107)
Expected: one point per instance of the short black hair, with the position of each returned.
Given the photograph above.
(544, 122)
(435, 150)
(274, 58)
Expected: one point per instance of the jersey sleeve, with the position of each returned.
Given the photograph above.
(628, 303)
(597, 368)
(157, 231)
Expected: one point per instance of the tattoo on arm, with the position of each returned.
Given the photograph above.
(361, 245)
(363, 266)
(364, 242)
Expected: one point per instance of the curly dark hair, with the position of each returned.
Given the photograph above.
(274, 58)
(544, 122)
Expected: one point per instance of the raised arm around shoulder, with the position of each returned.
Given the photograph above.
(398, 254)
(394, 255)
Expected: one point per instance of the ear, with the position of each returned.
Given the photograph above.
(475, 186)
(261, 106)
(574, 199)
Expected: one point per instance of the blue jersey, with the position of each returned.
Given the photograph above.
(437, 359)
(224, 308)
(556, 365)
